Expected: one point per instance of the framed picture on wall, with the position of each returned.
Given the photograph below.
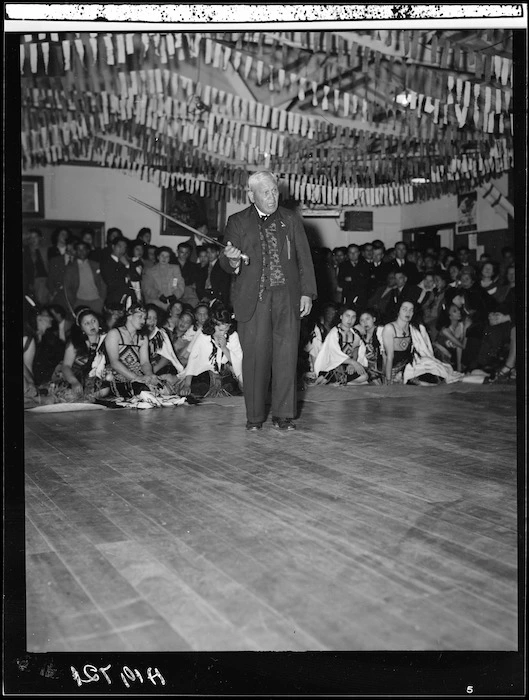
(33, 196)
(190, 209)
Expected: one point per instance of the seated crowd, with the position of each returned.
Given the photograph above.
(399, 315)
(148, 325)
(127, 322)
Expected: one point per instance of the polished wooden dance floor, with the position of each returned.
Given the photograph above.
(387, 521)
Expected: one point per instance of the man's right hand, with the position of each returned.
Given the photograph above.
(233, 254)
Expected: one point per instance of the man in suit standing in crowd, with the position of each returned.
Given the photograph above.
(88, 237)
(339, 255)
(115, 274)
(112, 234)
(189, 273)
(399, 263)
(367, 252)
(404, 291)
(378, 270)
(353, 277)
(56, 274)
(213, 282)
(83, 284)
(270, 295)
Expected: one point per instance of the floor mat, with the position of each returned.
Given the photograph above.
(328, 393)
(66, 407)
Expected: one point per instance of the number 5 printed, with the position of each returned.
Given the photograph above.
(470, 689)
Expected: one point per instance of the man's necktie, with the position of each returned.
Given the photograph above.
(208, 281)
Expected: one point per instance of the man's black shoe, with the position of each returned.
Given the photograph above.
(283, 424)
(253, 426)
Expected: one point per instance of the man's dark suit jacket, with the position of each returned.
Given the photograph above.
(242, 231)
(56, 272)
(409, 269)
(220, 283)
(32, 270)
(377, 277)
(116, 277)
(190, 272)
(358, 286)
(55, 281)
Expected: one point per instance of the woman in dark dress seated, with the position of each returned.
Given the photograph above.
(371, 334)
(49, 348)
(71, 380)
(398, 344)
(161, 352)
(409, 353)
(450, 341)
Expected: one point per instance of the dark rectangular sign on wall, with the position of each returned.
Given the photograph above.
(358, 221)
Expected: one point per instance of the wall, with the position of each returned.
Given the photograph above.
(87, 193)
(327, 232)
(101, 194)
(493, 230)
(444, 211)
(389, 222)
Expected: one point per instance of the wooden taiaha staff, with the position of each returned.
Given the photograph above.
(245, 257)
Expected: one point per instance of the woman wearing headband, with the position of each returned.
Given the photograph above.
(71, 381)
(127, 350)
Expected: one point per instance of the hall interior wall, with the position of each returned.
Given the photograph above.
(93, 193)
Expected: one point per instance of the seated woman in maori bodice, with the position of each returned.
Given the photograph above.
(409, 353)
(127, 350)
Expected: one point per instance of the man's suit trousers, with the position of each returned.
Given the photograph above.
(269, 343)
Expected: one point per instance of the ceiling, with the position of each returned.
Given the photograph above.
(339, 109)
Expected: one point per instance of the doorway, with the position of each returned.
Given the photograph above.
(437, 237)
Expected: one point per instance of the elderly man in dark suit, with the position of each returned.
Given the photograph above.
(269, 297)
(83, 284)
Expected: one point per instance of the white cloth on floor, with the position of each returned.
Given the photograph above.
(424, 361)
(200, 356)
(166, 349)
(314, 345)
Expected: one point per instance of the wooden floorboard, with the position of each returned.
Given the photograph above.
(382, 523)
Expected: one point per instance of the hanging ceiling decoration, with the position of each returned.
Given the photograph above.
(344, 118)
